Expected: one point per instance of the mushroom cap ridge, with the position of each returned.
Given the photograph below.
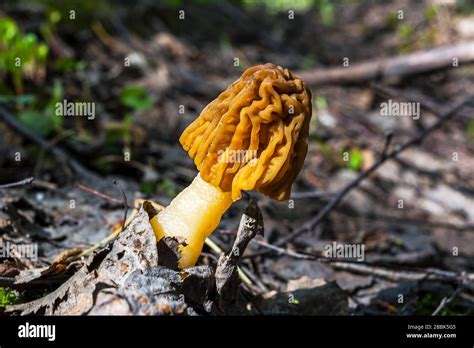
(253, 136)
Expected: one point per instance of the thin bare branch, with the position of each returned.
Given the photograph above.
(101, 195)
(400, 66)
(415, 141)
(125, 203)
(23, 182)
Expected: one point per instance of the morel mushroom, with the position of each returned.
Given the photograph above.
(253, 136)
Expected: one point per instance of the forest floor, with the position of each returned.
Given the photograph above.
(414, 214)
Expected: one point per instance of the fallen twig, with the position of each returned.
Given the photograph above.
(417, 140)
(102, 195)
(23, 182)
(426, 102)
(386, 145)
(312, 194)
(125, 203)
(399, 275)
(414, 63)
(364, 268)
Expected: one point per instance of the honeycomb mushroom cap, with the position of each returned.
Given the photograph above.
(253, 136)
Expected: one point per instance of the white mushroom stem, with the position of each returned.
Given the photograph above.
(193, 215)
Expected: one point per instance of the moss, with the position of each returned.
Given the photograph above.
(7, 297)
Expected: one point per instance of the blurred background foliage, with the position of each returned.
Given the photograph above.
(51, 71)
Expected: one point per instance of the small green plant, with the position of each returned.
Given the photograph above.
(167, 186)
(355, 160)
(7, 297)
(21, 55)
(321, 103)
(406, 34)
(430, 12)
(148, 188)
(48, 28)
(136, 98)
(326, 11)
(43, 120)
(405, 31)
(66, 64)
(398, 242)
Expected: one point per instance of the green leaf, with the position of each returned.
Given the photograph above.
(136, 98)
(57, 92)
(29, 40)
(321, 103)
(42, 52)
(37, 121)
(13, 45)
(127, 121)
(8, 30)
(355, 160)
(148, 188)
(54, 17)
(430, 12)
(405, 31)
(56, 121)
(398, 242)
(326, 9)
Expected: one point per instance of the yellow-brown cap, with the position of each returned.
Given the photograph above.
(253, 136)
